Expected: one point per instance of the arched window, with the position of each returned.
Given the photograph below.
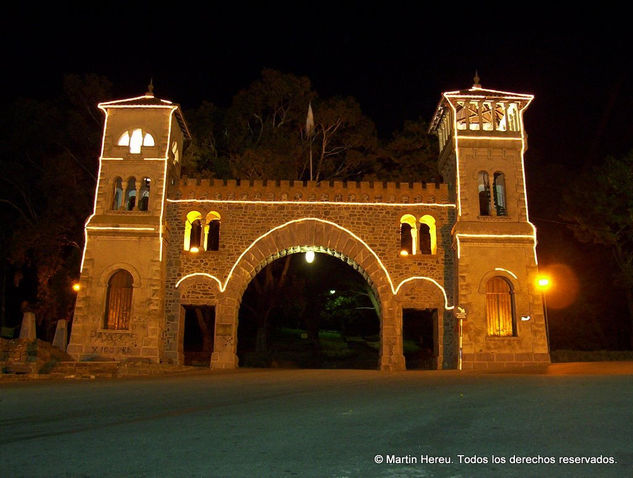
(130, 194)
(135, 139)
(193, 231)
(500, 307)
(119, 301)
(428, 235)
(499, 191)
(484, 194)
(212, 232)
(143, 202)
(117, 198)
(408, 235)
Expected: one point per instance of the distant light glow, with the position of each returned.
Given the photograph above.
(194, 249)
(332, 291)
(76, 286)
(310, 257)
(543, 282)
(404, 253)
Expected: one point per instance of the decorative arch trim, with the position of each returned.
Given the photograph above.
(510, 276)
(381, 265)
(105, 275)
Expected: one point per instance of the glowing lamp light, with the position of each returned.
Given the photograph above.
(76, 286)
(194, 249)
(404, 253)
(543, 282)
(332, 291)
(310, 257)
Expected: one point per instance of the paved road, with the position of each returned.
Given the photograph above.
(317, 423)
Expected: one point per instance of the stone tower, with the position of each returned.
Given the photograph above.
(482, 144)
(119, 309)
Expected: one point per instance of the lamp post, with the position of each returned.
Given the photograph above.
(543, 283)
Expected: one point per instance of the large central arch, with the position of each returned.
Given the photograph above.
(296, 236)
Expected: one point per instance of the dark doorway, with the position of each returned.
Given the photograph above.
(197, 344)
(418, 338)
(298, 313)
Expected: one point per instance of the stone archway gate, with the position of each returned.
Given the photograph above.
(357, 222)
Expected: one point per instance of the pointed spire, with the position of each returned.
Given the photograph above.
(150, 88)
(476, 79)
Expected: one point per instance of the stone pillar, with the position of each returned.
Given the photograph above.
(225, 341)
(27, 330)
(391, 356)
(60, 340)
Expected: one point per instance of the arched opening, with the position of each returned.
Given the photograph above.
(300, 314)
(408, 235)
(428, 235)
(117, 198)
(119, 301)
(130, 194)
(193, 231)
(143, 202)
(500, 307)
(484, 193)
(212, 232)
(499, 188)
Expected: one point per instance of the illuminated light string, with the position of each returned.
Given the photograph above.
(288, 201)
(162, 203)
(116, 228)
(113, 104)
(493, 138)
(394, 290)
(506, 270)
(94, 206)
(506, 94)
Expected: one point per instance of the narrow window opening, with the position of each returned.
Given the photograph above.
(408, 235)
(130, 194)
(425, 239)
(484, 194)
(143, 203)
(499, 186)
(473, 115)
(212, 232)
(117, 199)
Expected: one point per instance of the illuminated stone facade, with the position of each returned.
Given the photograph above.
(141, 265)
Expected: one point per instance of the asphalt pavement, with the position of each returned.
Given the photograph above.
(322, 423)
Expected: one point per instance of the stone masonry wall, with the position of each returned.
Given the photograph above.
(357, 222)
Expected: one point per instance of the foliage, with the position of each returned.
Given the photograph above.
(599, 206)
(49, 161)
(411, 153)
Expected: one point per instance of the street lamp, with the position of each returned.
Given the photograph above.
(310, 257)
(544, 283)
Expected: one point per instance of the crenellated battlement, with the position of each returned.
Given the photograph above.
(329, 191)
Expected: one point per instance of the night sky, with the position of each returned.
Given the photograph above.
(396, 61)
